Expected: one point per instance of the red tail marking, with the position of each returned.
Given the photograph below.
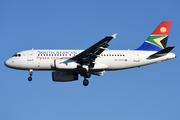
(163, 28)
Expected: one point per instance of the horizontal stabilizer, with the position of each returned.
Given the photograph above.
(162, 52)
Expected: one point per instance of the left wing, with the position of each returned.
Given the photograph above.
(89, 55)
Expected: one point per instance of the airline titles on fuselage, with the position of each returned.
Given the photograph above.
(57, 52)
(54, 54)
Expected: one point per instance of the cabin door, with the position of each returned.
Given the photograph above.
(30, 55)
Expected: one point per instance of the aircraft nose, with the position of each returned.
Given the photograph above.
(7, 63)
(12, 63)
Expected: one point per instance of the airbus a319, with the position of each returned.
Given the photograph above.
(67, 65)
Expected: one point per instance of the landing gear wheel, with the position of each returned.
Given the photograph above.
(85, 82)
(30, 73)
(29, 78)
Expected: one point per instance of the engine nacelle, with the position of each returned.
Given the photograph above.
(64, 77)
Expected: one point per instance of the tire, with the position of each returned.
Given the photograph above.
(85, 82)
(29, 78)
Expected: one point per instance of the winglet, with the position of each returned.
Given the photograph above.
(114, 36)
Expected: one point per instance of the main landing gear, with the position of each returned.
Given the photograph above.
(30, 73)
(85, 82)
(86, 75)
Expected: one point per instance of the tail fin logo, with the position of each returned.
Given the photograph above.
(158, 39)
(163, 29)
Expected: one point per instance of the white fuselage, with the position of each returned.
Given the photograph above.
(108, 60)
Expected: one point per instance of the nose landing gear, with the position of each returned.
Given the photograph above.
(30, 73)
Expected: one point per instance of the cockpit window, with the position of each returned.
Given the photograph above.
(17, 55)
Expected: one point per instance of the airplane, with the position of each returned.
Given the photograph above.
(67, 65)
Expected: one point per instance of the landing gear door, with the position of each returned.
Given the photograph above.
(30, 55)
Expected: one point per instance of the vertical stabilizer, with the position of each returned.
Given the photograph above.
(158, 39)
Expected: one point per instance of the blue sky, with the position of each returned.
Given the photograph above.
(149, 92)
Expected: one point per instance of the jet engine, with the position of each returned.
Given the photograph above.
(64, 77)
